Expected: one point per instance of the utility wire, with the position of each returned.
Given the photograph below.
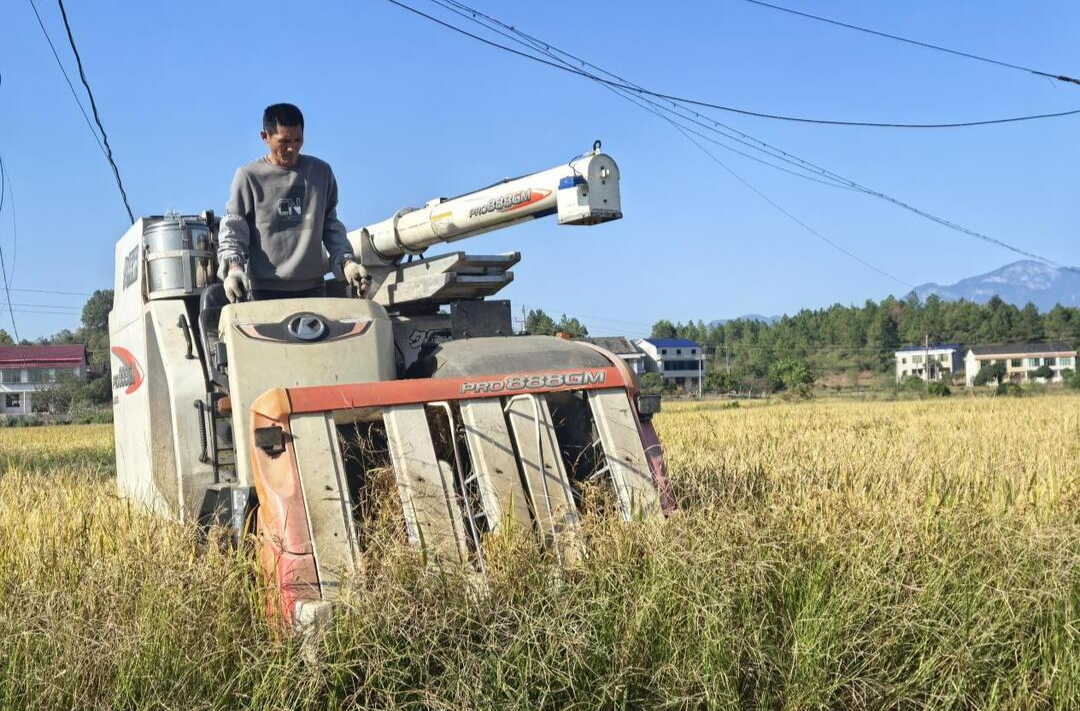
(795, 219)
(67, 79)
(43, 312)
(97, 117)
(771, 150)
(823, 176)
(52, 291)
(864, 124)
(42, 306)
(746, 138)
(3, 263)
(548, 50)
(732, 109)
(641, 101)
(686, 134)
(539, 45)
(927, 45)
(14, 224)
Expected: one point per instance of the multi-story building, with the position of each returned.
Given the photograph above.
(1020, 359)
(622, 347)
(936, 362)
(26, 369)
(678, 360)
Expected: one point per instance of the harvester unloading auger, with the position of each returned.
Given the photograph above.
(225, 410)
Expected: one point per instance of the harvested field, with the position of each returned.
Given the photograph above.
(912, 555)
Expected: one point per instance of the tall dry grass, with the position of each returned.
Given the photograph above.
(828, 555)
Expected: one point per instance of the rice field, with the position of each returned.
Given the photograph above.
(892, 555)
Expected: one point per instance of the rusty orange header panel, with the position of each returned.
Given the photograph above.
(324, 398)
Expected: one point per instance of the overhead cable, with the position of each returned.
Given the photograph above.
(746, 138)
(795, 219)
(58, 307)
(3, 262)
(42, 312)
(67, 79)
(14, 225)
(745, 112)
(530, 41)
(927, 45)
(864, 124)
(94, 109)
(686, 134)
(52, 291)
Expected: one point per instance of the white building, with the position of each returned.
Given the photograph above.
(1020, 359)
(622, 347)
(26, 369)
(678, 360)
(937, 362)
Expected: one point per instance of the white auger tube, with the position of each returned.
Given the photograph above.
(585, 191)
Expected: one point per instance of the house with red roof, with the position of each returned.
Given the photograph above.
(25, 370)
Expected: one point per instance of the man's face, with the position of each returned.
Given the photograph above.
(284, 145)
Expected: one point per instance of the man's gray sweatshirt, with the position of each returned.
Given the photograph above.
(277, 222)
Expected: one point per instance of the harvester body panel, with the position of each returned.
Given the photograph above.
(156, 379)
(351, 341)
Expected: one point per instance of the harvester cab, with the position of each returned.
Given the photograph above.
(257, 415)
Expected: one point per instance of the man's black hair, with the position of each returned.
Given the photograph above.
(281, 115)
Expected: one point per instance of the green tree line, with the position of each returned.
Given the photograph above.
(847, 338)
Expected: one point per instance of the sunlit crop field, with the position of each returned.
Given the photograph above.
(826, 555)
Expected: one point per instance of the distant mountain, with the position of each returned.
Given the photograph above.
(747, 317)
(1016, 283)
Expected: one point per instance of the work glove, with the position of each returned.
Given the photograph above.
(354, 274)
(237, 286)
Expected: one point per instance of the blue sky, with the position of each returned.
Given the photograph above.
(405, 111)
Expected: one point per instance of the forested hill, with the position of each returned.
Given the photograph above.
(842, 338)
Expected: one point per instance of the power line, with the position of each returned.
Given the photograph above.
(43, 306)
(863, 124)
(14, 223)
(968, 55)
(793, 159)
(93, 108)
(866, 124)
(745, 112)
(796, 220)
(613, 87)
(67, 79)
(831, 179)
(686, 134)
(3, 263)
(547, 50)
(746, 138)
(53, 291)
(47, 312)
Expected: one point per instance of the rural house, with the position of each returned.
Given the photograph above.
(678, 360)
(26, 369)
(622, 347)
(936, 362)
(1020, 359)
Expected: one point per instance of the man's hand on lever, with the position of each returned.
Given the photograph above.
(354, 274)
(237, 284)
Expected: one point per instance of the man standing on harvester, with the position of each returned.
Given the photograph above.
(282, 212)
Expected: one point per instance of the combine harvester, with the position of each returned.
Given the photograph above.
(224, 409)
